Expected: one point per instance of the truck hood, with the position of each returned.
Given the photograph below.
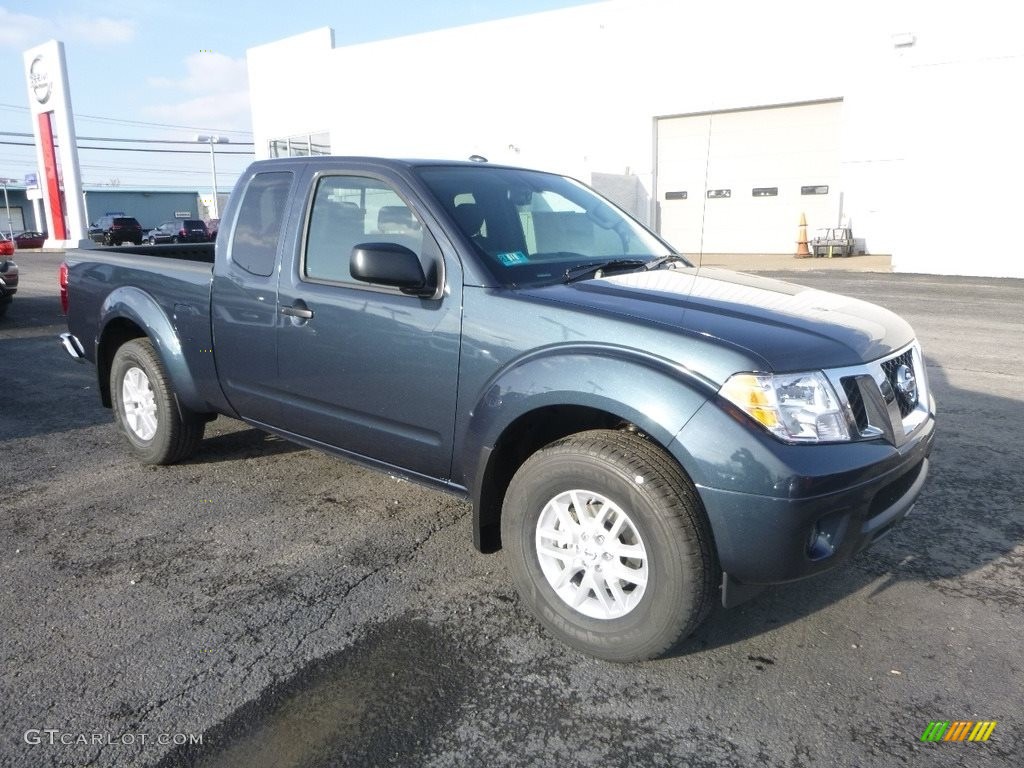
(786, 326)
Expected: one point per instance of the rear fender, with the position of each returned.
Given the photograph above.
(143, 310)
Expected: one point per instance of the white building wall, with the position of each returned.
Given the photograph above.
(293, 86)
(925, 128)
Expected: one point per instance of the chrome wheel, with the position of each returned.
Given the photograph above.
(139, 403)
(591, 554)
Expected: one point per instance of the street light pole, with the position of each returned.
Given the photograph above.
(7, 205)
(211, 140)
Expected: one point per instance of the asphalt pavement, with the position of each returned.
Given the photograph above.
(267, 605)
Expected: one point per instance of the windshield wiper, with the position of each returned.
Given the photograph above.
(596, 268)
(662, 261)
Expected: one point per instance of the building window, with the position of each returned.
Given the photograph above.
(303, 145)
(681, 195)
(820, 189)
(714, 194)
(765, 192)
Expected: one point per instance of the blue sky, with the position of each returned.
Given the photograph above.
(182, 63)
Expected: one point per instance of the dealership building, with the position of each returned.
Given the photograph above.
(719, 124)
(150, 207)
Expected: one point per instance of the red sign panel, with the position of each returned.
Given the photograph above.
(60, 231)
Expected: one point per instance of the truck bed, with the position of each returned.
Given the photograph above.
(185, 251)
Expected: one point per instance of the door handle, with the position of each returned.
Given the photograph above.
(300, 312)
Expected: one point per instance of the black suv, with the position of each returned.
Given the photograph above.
(114, 230)
(179, 231)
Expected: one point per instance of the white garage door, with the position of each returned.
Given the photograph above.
(738, 181)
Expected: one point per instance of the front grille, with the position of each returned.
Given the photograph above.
(856, 400)
(889, 368)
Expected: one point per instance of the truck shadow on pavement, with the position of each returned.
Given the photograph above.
(36, 373)
(245, 443)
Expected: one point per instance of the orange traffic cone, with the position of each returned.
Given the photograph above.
(802, 252)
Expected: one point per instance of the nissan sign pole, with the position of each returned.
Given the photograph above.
(7, 206)
(50, 100)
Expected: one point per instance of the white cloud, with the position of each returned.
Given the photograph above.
(214, 92)
(22, 30)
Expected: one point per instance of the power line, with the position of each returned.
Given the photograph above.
(139, 149)
(24, 134)
(137, 122)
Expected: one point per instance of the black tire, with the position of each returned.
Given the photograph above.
(108, 240)
(174, 239)
(668, 517)
(178, 430)
(152, 241)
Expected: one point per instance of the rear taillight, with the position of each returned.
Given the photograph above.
(63, 277)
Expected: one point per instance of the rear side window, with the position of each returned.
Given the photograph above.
(260, 219)
(126, 222)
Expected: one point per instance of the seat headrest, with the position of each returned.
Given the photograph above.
(391, 216)
(470, 218)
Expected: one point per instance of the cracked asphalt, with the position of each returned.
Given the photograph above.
(268, 605)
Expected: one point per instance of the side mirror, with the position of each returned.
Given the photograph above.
(390, 264)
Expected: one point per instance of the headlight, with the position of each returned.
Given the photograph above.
(795, 407)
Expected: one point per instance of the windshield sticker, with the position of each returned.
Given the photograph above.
(512, 258)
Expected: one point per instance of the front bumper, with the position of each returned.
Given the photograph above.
(784, 512)
(8, 284)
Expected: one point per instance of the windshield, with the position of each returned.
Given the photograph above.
(529, 228)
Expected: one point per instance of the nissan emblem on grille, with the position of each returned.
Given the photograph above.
(906, 384)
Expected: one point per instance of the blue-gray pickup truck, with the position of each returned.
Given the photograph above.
(641, 436)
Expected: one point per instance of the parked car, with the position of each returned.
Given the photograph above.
(8, 277)
(641, 436)
(7, 246)
(30, 239)
(115, 230)
(179, 231)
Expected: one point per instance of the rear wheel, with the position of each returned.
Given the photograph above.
(609, 545)
(158, 428)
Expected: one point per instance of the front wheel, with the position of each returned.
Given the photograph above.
(158, 428)
(609, 545)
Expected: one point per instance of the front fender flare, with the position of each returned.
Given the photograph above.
(656, 395)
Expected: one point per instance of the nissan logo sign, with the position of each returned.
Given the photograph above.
(39, 80)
